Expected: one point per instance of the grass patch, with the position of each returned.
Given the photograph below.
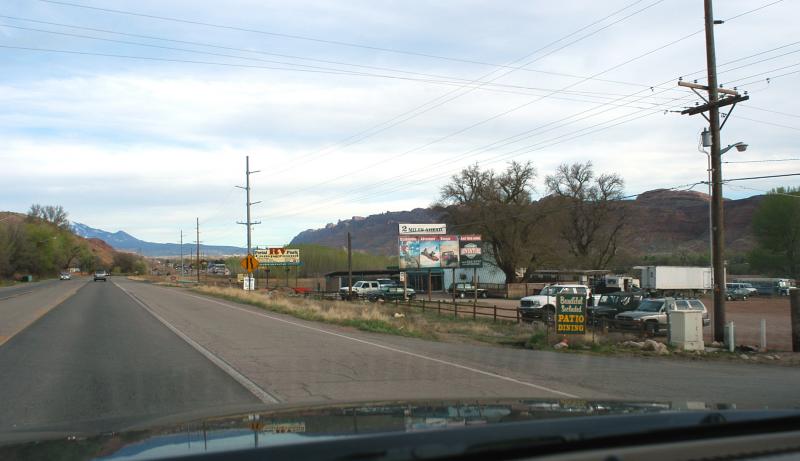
(364, 317)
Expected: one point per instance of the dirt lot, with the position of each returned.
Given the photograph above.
(746, 316)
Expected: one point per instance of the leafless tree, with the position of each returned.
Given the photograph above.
(55, 215)
(500, 208)
(595, 220)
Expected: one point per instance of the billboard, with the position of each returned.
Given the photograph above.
(428, 252)
(470, 252)
(422, 229)
(277, 256)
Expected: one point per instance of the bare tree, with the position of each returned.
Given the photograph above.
(499, 207)
(52, 214)
(595, 219)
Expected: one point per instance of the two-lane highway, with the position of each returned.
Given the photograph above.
(99, 362)
(122, 354)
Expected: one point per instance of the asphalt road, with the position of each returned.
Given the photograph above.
(99, 362)
(123, 354)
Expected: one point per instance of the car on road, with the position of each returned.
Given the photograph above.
(543, 305)
(64, 276)
(465, 290)
(652, 315)
(611, 304)
(100, 275)
(360, 289)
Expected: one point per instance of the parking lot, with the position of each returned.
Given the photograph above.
(746, 316)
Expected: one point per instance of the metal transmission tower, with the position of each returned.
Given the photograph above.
(248, 223)
(712, 105)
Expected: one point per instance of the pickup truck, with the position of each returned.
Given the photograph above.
(360, 289)
(390, 293)
(652, 315)
(466, 290)
(611, 304)
(543, 305)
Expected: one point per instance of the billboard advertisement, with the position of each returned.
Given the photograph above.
(422, 229)
(428, 252)
(277, 256)
(409, 252)
(470, 252)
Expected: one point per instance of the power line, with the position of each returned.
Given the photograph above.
(766, 160)
(749, 106)
(760, 177)
(278, 34)
(768, 123)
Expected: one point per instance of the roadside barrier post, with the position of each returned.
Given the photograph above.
(794, 302)
(763, 344)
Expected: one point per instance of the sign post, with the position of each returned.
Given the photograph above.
(570, 314)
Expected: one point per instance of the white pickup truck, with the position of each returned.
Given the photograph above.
(543, 305)
(360, 289)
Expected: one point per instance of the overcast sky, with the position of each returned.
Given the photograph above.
(361, 107)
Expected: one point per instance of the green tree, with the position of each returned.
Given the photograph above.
(776, 225)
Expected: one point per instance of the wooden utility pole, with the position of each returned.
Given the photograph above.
(712, 105)
(198, 250)
(349, 267)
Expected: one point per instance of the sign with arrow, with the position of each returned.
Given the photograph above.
(250, 263)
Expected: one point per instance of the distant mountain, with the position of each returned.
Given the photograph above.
(123, 241)
(659, 221)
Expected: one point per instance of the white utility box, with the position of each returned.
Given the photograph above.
(686, 330)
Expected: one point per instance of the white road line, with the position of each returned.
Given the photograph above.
(393, 349)
(254, 388)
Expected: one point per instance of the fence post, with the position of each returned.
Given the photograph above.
(455, 309)
(794, 303)
(438, 307)
(423, 305)
(494, 317)
(473, 311)
(517, 314)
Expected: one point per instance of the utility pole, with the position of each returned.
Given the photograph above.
(712, 105)
(198, 250)
(349, 267)
(249, 223)
(717, 224)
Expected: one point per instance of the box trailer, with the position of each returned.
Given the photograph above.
(678, 278)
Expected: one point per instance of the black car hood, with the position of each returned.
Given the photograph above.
(291, 425)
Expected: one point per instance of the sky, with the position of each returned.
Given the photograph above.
(138, 115)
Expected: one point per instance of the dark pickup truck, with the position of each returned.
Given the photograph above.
(611, 304)
(464, 290)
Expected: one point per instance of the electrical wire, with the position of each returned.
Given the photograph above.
(766, 160)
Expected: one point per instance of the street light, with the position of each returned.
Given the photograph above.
(705, 141)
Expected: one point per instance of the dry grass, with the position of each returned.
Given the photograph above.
(378, 317)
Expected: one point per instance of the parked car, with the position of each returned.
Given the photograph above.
(100, 275)
(543, 305)
(465, 290)
(734, 293)
(360, 289)
(390, 293)
(386, 283)
(64, 276)
(652, 315)
(611, 304)
(748, 287)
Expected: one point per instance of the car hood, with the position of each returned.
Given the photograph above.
(282, 425)
(541, 298)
